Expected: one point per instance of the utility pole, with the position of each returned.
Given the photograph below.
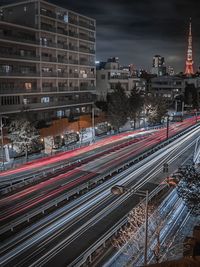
(93, 125)
(167, 127)
(2, 143)
(146, 228)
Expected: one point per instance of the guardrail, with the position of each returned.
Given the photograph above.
(10, 184)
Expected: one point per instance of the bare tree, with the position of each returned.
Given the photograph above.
(23, 135)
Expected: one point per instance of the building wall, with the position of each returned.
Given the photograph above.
(111, 74)
(47, 65)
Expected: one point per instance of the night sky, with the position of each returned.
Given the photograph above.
(136, 30)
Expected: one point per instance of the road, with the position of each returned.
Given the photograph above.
(65, 239)
(30, 198)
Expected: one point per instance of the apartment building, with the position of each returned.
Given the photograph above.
(47, 61)
(110, 73)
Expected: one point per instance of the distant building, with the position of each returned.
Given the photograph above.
(109, 74)
(169, 87)
(47, 61)
(170, 71)
(158, 66)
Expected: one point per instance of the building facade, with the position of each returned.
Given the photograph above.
(109, 74)
(47, 61)
(158, 66)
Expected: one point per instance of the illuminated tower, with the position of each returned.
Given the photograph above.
(189, 61)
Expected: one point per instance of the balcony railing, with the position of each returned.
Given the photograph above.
(18, 39)
(18, 90)
(73, 34)
(62, 31)
(73, 48)
(18, 56)
(73, 61)
(86, 50)
(86, 25)
(47, 13)
(63, 46)
(48, 28)
(49, 59)
(87, 88)
(73, 21)
(86, 63)
(16, 73)
(73, 75)
(62, 60)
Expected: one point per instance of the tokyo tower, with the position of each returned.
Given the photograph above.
(189, 61)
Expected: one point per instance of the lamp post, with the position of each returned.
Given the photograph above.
(119, 190)
(2, 142)
(167, 127)
(93, 124)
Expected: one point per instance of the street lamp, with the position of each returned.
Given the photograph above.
(2, 143)
(93, 124)
(119, 190)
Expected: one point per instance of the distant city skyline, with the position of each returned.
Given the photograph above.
(135, 31)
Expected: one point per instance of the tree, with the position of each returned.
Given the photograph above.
(191, 96)
(135, 104)
(117, 107)
(156, 109)
(189, 189)
(23, 135)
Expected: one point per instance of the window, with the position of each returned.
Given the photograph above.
(59, 113)
(103, 76)
(5, 68)
(9, 100)
(45, 99)
(66, 18)
(28, 86)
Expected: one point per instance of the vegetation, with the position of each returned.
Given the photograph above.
(135, 105)
(189, 188)
(25, 138)
(156, 109)
(117, 107)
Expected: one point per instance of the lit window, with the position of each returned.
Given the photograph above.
(28, 86)
(25, 8)
(45, 99)
(66, 19)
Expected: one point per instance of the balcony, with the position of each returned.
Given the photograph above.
(18, 39)
(62, 60)
(86, 50)
(48, 28)
(73, 75)
(87, 88)
(49, 74)
(62, 31)
(73, 21)
(74, 88)
(62, 46)
(86, 37)
(91, 27)
(73, 61)
(18, 90)
(18, 56)
(89, 75)
(47, 13)
(73, 48)
(87, 63)
(18, 73)
(86, 25)
(49, 59)
(73, 34)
